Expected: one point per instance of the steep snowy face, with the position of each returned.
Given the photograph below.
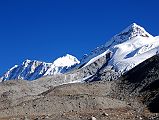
(127, 49)
(32, 69)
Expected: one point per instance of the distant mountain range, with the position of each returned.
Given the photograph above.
(122, 52)
(33, 69)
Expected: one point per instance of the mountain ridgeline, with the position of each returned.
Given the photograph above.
(118, 55)
(33, 69)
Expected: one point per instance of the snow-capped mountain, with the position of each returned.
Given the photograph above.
(62, 64)
(127, 49)
(32, 69)
(122, 52)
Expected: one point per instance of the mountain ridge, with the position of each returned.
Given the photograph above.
(33, 69)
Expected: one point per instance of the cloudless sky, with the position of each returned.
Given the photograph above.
(47, 29)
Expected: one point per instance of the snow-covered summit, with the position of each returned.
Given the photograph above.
(130, 47)
(130, 32)
(62, 65)
(135, 30)
(67, 60)
(33, 69)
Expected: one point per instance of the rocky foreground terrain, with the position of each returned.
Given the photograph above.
(66, 102)
(134, 96)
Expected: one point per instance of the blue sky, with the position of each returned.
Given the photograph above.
(47, 29)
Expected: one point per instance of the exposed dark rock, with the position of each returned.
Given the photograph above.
(142, 83)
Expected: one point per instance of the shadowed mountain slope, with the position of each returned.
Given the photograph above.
(142, 83)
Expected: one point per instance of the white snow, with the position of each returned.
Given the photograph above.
(67, 60)
(62, 64)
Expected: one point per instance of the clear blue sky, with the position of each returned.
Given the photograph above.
(46, 29)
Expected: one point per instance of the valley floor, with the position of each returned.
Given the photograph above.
(92, 101)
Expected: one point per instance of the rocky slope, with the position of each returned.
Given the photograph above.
(141, 83)
(71, 101)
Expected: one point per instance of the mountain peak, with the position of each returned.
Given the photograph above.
(133, 27)
(67, 60)
(134, 30)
